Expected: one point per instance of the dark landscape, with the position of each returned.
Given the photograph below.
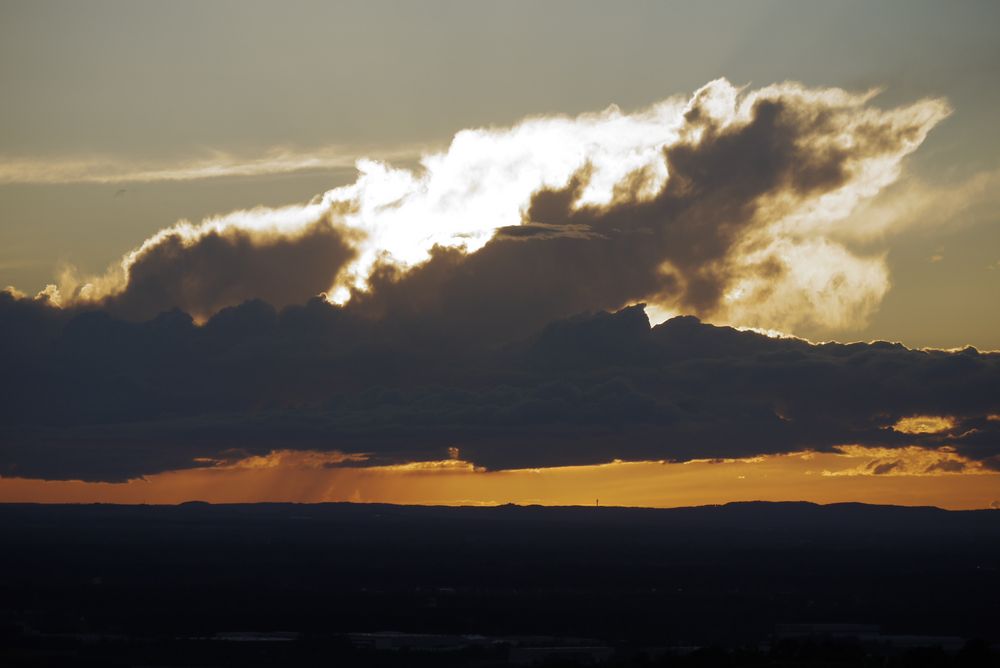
(291, 584)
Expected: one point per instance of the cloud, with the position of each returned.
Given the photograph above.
(923, 424)
(115, 170)
(486, 304)
(907, 461)
(212, 269)
(283, 256)
(912, 203)
(729, 205)
(739, 231)
(94, 397)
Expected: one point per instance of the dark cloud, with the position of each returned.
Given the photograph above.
(95, 397)
(883, 468)
(947, 466)
(203, 272)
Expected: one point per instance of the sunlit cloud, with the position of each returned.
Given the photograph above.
(440, 466)
(286, 459)
(726, 460)
(924, 424)
(912, 203)
(784, 259)
(907, 461)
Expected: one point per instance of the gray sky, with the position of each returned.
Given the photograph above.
(166, 83)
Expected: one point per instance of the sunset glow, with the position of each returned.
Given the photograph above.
(851, 475)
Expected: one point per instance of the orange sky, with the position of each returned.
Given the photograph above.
(307, 477)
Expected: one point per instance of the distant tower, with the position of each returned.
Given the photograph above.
(597, 503)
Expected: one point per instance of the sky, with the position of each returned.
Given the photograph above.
(392, 235)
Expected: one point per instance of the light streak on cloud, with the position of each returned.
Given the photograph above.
(218, 164)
